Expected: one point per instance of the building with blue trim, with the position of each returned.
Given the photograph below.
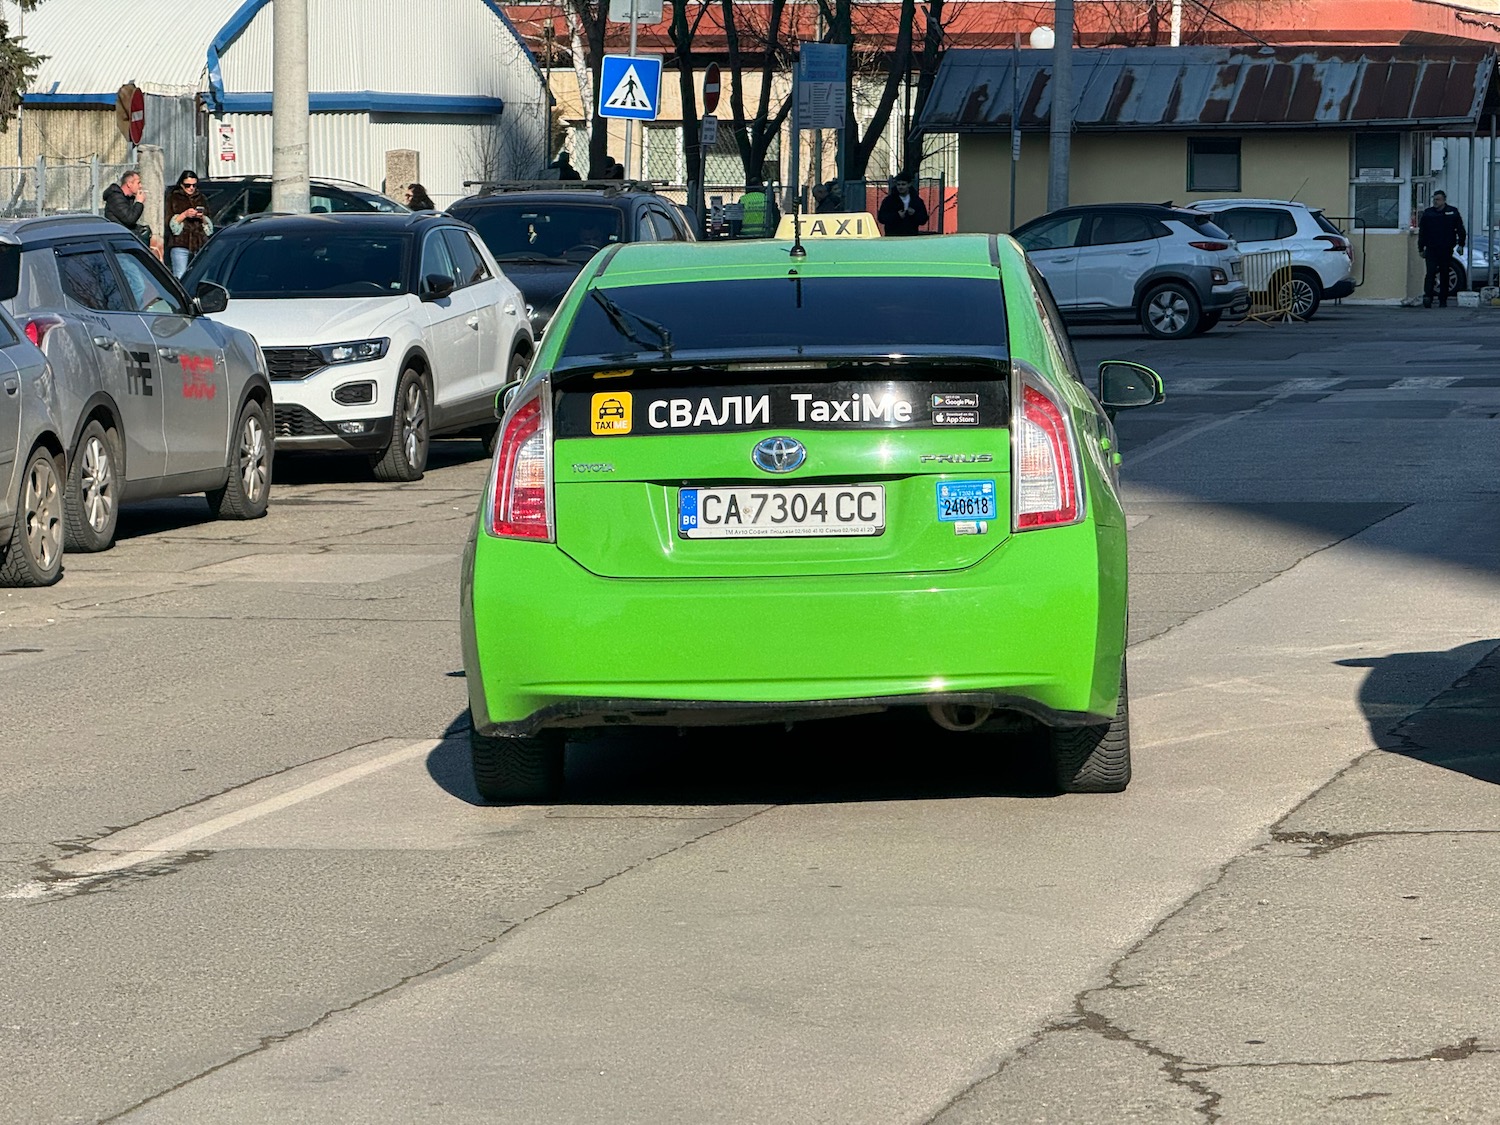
(449, 79)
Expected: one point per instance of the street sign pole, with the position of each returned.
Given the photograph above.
(629, 124)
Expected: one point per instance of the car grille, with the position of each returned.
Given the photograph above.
(297, 421)
(292, 363)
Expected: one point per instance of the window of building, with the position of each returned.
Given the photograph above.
(1213, 164)
(1380, 190)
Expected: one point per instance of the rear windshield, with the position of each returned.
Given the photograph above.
(297, 265)
(1203, 225)
(522, 232)
(855, 315)
(10, 271)
(1324, 224)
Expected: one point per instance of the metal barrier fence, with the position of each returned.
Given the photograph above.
(1268, 276)
(47, 188)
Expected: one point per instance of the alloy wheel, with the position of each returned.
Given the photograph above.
(43, 513)
(1302, 297)
(253, 448)
(414, 423)
(1169, 312)
(97, 484)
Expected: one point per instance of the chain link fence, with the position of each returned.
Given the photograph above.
(48, 188)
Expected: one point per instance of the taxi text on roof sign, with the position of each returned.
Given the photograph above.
(860, 224)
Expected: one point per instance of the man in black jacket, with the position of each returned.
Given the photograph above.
(902, 212)
(1440, 231)
(125, 202)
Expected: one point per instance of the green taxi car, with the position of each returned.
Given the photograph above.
(773, 482)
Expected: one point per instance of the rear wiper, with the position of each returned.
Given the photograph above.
(619, 316)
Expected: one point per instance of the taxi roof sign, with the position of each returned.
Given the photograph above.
(859, 224)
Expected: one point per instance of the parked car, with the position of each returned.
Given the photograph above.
(233, 198)
(882, 457)
(155, 396)
(380, 331)
(31, 464)
(1169, 268)
(1322, 256)
(542, 232)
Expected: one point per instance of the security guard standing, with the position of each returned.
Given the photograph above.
(1440, 231)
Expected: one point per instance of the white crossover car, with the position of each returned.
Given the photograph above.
(380, 331)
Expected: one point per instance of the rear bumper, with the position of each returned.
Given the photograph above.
(1037, 627)
(1341, 288)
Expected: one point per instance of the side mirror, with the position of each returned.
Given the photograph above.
(435, 287)
(1125, 386)
(503, 397)
(210, 297)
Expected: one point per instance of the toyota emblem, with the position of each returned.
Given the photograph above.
(779, 454)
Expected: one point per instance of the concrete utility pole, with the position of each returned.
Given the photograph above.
(1062, 107)
(289, 107)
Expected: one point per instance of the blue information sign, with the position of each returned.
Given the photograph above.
(629, 87)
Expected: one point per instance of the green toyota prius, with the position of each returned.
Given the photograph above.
(774, 482)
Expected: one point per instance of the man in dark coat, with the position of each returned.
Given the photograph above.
(565, 169)
(902, 211)
(1440, 231)
(125, 203)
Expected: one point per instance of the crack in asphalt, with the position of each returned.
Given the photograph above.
(437, 969)
(1320, 843)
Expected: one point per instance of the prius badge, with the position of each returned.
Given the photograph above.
(779, 454)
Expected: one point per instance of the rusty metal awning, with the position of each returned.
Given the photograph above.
(1199, 88)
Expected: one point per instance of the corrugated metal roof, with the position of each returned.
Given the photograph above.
(96, 46)
(1215, 88)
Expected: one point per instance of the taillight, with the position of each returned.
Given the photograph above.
(38, 326)
(1046, 469)
(522, 486)
(1209, 245)
(1336, 243)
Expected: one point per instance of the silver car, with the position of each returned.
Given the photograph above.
(31, 477)
(156, 398)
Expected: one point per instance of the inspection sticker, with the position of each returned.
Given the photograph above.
(965, 500)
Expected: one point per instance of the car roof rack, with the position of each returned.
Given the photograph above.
(609, 187)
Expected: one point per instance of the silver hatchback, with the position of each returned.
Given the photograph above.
(155, 397)
(31, 477)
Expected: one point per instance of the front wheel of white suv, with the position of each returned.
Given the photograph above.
(405, 459)
(1170, 311)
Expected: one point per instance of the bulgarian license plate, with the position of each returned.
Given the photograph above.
(780, 513)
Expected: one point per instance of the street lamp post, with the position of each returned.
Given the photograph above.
(1061, 132)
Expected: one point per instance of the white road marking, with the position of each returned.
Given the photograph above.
(1424, 382)
(93, 864)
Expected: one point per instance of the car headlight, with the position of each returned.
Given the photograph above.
(355, 351)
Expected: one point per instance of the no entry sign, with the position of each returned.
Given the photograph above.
(711, 88)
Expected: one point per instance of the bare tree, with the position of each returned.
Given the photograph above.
(765, 36)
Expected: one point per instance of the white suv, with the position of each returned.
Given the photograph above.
(380, 331)
(1322, 258)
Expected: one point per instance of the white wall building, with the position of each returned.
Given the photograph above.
(449, 79)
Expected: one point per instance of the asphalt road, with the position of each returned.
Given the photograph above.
(244, 877)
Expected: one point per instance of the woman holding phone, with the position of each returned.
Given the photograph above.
(188, 224)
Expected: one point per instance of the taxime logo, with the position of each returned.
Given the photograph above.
(609, 413)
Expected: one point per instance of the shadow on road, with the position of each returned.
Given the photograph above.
(1459, 729)
(873, 758)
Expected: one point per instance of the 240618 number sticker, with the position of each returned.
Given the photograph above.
(965, 500)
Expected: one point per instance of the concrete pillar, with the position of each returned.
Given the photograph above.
(151, 163)
(403, 167)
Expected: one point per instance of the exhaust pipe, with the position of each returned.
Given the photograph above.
(959, 716)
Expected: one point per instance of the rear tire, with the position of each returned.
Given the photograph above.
(247, 491)
(405, 459)
(1170, 311)
(91, 510)
(1306, 294)
(1094, 759)
(517, 770)
(33, 557)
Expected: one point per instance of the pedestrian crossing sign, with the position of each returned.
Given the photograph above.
(629, 87)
